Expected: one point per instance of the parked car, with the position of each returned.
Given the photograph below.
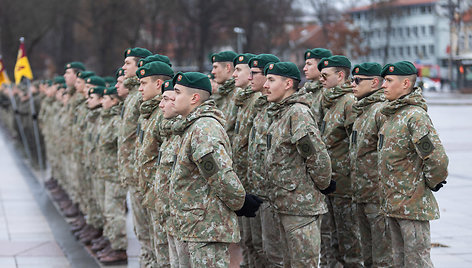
(428, 84)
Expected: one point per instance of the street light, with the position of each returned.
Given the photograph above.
(240, 38)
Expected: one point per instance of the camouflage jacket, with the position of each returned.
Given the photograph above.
(148, 143)
(127, 133)
(297, 162)
(225, 101)
(90, 140)
(204, 189)
(80, 124)
(108, 144)
(336, 128)
(44, 113)
(257, 145)
(165, 161)
(363, 148)
(412, 160)
(314, 89)
(75, 100)
(245, 102)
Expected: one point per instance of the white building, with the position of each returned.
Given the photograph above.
(410, 30)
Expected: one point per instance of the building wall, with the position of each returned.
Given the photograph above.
(418, 34)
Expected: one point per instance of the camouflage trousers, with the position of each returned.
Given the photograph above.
(348, 234)
(178, 252)
(94, 215)
(329, 238)
(159, 240)
(208, 255)
(274, 247)
(99, 194)
(115, 215)
(252, 238)
(141, 220)
(411, 242)
(243, 244)
(374, 228)
(302, 236)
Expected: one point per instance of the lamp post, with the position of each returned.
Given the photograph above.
(240, 38)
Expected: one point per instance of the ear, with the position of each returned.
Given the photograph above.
(340, 76)
(288, 83)
(229, 67)
(406, 83)
(195, 98)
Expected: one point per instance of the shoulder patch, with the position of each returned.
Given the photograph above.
(208, 165)
(305, 146)
(425, 146)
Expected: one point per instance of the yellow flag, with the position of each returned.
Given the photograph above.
(3, 74)
(22, 66)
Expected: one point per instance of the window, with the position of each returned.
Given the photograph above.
(416, 50)
(431, 29)
(393, 51)
(423, 30)
(400, 51)
(469, 41)
(415, 31)
(431, 49)
(393, 32)
(400, 32)
(408, 51)
(423, 51)
(407, 32)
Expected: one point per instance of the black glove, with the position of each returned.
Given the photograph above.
(34, 116)
(251, 205)
(330, 189)
(438, 186)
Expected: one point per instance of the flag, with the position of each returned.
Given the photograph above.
(3, 74)
(22, 66)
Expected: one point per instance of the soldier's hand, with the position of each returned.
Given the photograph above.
(330, 189)
(251, 205)
(438, 186)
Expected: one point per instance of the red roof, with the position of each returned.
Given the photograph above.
(396, 3)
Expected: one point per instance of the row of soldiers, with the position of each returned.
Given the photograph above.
(338, 172)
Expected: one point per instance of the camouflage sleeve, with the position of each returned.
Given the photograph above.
(214, 163)
(349, 114)
(429, 148)
(307, 139)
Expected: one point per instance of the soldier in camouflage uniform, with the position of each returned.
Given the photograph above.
(223, 69)
(126, 148)
(151, 76)
(412, 164)
(165, 162)
(204, 189)
(115, 195)
(251, 234)
(313, 86)
(336, 128)
(73, 174)
(375, 238)
(297, 163)
(89, 232)
(80, 125)
(273, 248)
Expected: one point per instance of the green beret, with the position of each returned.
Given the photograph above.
(168, 85)
(110, 91)
(119, 72)
(211, 76)
(193, 79)
(367, 68)
(154, 68)
(59, 80)
(334, 61)
(317, 53)
(261, 60)
(286, 69)
(155, 57)
(85, 74)
(95, 80)
(137, 52)
(62, 86)
(243, 58)
(97, 90)
(109, 80)
(399, 68)
(223, 56)
(75, 65)
(49, 82)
